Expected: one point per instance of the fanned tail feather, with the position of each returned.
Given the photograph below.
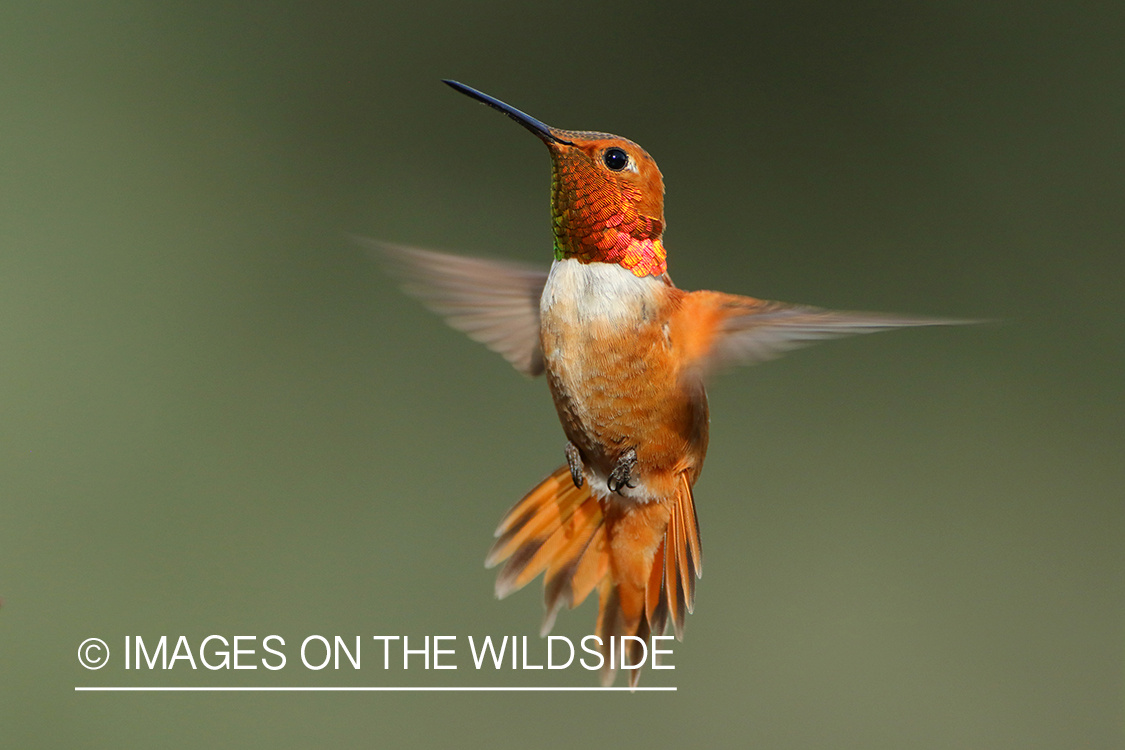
(557, 528)
(568, 534)
(678, 562)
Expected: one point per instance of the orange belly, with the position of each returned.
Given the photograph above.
(614, 372)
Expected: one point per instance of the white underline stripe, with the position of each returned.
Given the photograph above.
(330, 689)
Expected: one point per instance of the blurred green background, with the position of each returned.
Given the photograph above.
(218, 416)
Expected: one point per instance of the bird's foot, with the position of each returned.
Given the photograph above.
(574, 461)
(621, 474)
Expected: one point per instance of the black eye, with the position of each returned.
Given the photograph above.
(615, 159)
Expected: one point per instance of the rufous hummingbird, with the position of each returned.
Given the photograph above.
(626, 354)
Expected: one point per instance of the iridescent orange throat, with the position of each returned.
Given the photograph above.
(603, 220)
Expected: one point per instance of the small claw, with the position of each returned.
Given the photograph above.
(574, 461)
(619, 478)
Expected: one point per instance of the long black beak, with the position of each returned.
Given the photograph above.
(529, 122)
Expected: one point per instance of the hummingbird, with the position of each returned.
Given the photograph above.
(626, 355)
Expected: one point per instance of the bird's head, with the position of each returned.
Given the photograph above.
(607, 194)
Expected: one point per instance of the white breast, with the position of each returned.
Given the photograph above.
(585, 293)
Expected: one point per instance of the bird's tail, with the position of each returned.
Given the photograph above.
(557, 528)
(642, 557)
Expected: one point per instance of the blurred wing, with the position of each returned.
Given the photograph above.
(743, 330)
(494, 302)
